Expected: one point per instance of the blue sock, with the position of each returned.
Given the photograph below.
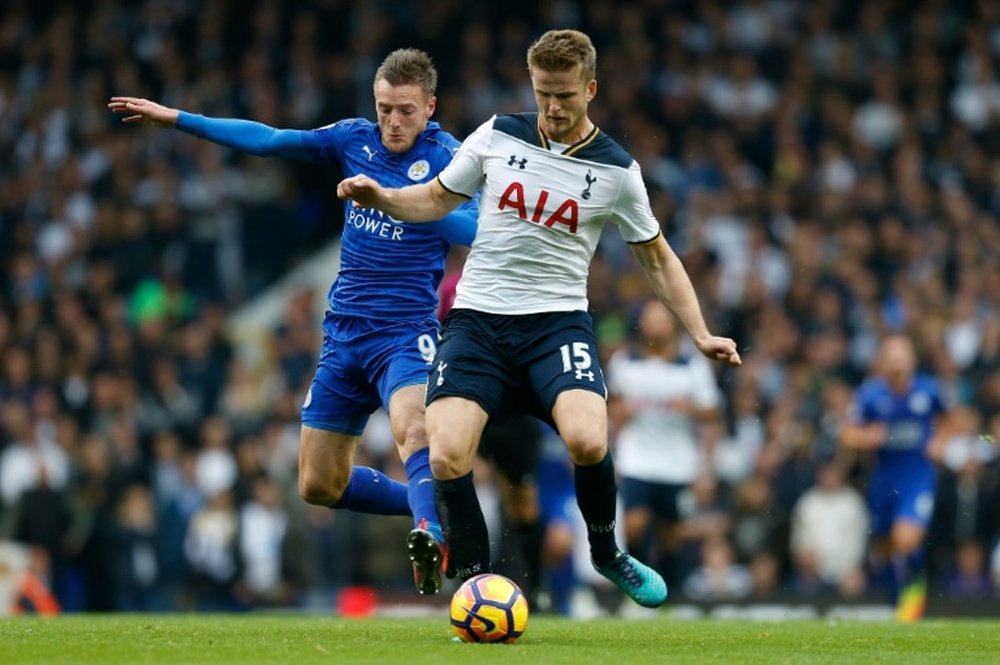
(371, 491)
(420, 492)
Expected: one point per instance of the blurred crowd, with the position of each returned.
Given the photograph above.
(828, 171)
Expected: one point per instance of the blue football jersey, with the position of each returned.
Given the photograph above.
(388, 269)
(908, 416)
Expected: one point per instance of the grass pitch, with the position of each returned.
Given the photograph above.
(246, 639)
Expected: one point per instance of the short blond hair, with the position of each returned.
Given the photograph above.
(408, 66)
(562, 50)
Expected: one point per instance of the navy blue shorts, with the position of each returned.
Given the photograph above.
(518, 364)
(361, 365)
(660, 499)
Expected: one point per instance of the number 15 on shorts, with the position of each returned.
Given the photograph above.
(576, 358)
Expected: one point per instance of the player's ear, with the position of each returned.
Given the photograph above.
(431, 105)
(591, 90)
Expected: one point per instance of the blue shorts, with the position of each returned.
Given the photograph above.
(361, 365)
(904, 493)
(517, 364)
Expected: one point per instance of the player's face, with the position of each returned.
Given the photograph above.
(899, 360)
(656, 323)
(403, 112)
(562, 99)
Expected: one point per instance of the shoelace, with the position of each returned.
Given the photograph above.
(624, 569)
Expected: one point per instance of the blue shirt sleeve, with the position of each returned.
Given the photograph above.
(459, 226)
(253, 137)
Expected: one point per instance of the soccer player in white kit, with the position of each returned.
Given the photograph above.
(659, 392)
(518, 338)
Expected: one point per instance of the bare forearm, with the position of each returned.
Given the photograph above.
(862, 437)
(673, 287)
(416, 203)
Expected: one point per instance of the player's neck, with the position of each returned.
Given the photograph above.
(573, 135)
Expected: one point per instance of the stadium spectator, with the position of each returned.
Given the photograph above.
(660, 392)
(829, 535)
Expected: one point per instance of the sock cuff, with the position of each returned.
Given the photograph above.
(455, 484)
(419, 458)
(597, 468)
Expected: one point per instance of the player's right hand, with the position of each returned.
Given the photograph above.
(136, 109)
(362, 190)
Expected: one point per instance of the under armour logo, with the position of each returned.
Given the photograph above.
(591, 179)
(520, 162)
(440, 371)
(580, 374)
(368, 151)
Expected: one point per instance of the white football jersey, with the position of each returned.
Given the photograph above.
(540, 214)
(659, 444)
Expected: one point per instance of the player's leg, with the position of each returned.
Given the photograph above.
(908, 542)
(454, 425)
(327, 476)
(581, 418)
(908, 560)
(638, 514)
(466, 386)
(397, 365)
(425, 543)
(566, 376)
(334, 415)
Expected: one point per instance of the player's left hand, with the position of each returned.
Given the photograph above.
(721, 349)
(362, 190)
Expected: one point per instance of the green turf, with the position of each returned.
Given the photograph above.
(301, 640)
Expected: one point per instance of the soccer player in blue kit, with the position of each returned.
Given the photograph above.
(380, 333)
(902, 417)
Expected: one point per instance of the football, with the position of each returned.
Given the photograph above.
(489, 608)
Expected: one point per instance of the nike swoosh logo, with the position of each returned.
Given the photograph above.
(425, 480)
(488, 626)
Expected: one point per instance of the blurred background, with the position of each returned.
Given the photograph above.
(828, 171)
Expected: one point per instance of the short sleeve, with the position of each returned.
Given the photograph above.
(632, 212)
(464, 175)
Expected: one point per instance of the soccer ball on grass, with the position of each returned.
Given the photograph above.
(489, 608)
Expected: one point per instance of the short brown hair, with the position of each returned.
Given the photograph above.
(408, 66)
(562, 50)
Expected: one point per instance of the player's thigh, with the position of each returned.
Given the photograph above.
(470, 363)
(913, 515)
(454, 425)
(340, 397)
(397, 361)
(325, 462)
(566, 378)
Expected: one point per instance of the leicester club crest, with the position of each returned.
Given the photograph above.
(418, 170)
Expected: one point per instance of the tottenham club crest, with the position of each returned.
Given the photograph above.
(418, 170)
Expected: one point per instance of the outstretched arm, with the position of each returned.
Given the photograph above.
(426, 202)
(672, 285)
(253, 137)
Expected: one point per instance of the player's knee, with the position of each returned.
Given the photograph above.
(585, 448)
(447, 464)
(322, 491)
(411, 437)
